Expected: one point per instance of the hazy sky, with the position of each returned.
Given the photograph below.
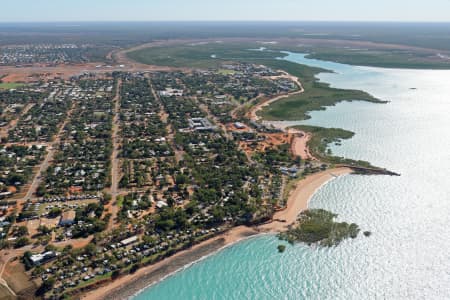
(168, 10)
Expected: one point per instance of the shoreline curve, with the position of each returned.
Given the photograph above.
(130, 285)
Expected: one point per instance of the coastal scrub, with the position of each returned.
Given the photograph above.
(317, 226)
(281, 248)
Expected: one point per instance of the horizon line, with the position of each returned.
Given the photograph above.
(228, 21)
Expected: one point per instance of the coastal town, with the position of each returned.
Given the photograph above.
(105, 173)
(224, 150)
(112, 171)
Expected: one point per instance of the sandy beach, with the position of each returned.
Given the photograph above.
(299, 198)
(129, 285)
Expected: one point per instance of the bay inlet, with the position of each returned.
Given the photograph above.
(407, 256)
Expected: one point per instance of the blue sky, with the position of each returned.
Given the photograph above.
(181, 10)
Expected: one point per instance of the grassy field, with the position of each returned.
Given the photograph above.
(368, 56)
(317, 95)
(209, 55)
(205, 55)
(379, 58)
(10, 85)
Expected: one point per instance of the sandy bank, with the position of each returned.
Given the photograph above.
(299, 198)
(299, 146)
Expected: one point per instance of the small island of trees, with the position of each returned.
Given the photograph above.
(317, 226)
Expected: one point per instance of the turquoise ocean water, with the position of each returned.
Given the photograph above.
(408, 254)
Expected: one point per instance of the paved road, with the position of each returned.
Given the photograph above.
(179, 154)
(51, 149)
(115, 163)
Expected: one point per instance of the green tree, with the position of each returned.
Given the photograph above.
(181, 179)
(90, 249)
(106, 198)
(54, 212)
(22, 241)
(115, 274)
(44, 230)
(50, 248)
(134, 268)
(22, 231)
(47, 285)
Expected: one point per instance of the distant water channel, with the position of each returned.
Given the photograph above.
(408, 254)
